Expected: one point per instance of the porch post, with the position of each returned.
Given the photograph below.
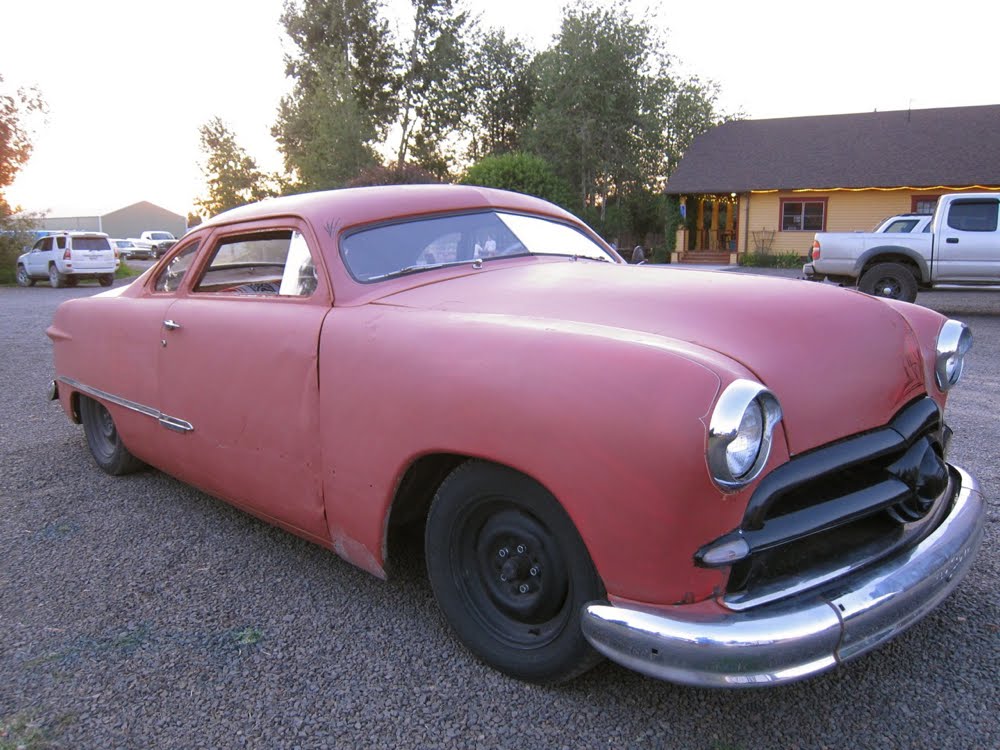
(713, 238)
(699, 242)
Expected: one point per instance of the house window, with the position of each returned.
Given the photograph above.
(924, 204)
(803, 216)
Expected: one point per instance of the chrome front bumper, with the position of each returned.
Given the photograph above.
(806, 634)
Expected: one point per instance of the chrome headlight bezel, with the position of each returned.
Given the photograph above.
(953, 342)
(727, 417)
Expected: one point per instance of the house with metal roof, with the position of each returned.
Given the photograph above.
(766, 186)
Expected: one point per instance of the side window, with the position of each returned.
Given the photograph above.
(271, 263)
(973, 216)
(46, 244)
(61, 242)
(172, 276)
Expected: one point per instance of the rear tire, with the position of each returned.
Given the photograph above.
(106, 279)
(56, 279)
(890, 280)
(105, 443)
(511, 573)
(23, 277)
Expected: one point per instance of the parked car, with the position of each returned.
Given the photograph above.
(342, 364)
(128, 249)
(66, 257)
(960, 245)
(156, 241)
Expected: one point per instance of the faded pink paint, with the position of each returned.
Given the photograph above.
(595, 379)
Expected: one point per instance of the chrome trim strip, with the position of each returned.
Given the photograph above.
(169, 422)
(802, 636)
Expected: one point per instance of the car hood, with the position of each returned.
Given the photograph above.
(840, 362)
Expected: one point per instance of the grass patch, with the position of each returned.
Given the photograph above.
(21, 732)
(248, 636)
(125, 271)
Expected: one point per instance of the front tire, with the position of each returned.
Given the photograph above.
(511, 573)
(56, 279)
(23, 277)
(890, 280)
(105, 443)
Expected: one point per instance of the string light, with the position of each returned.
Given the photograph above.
(881, 189)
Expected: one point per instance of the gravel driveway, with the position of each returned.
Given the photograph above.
(140, 613)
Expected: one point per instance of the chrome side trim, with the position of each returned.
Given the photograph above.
(172, 423)
(806, 634)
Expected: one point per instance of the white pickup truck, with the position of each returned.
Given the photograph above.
(66, 257)
(960, 246)
(157, 240)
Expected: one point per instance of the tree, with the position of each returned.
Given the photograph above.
(502, 93)
(598, 113)
(691, 110)
(345, 85)
(394, 174)
(16, 106)
(232, 176)
(522, 173)
(434, 81)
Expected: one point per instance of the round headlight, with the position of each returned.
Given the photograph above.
(953, 343)
(741, 453)
(739, 433)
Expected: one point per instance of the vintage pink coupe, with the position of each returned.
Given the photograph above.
(666, 467)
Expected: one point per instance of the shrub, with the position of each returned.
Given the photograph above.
(522, 173)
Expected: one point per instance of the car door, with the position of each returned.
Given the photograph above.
(37, 261)
(238, 373)
(967, 247)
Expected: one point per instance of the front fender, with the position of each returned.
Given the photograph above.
(612, 422)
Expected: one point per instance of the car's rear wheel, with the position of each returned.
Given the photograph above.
(105, 443)
(71, 280)
(891, 280)
(23, 277)
(511, 573)
(56, 279)
(106, 279)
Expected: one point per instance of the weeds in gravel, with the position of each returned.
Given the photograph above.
(248, 636)
(22, 732)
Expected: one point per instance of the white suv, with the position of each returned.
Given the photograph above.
(67, 257)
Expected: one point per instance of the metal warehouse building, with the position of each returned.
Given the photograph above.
(125, 222)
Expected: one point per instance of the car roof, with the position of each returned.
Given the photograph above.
(337, 209)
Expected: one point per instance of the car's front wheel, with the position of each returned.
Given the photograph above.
(23, 277)
(105, 443)
(891, 280)
(56, 279)
(106, 279)
(511, 573)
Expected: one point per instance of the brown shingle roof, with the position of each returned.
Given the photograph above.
(955, 146)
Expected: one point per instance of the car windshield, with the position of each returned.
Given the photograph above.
(407, 247)
(91, 243)
(160, 236)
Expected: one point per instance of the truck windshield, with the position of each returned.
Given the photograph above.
(160, 236)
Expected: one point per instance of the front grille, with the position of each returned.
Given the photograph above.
(841, 506)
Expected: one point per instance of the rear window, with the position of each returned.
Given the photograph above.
(91, 243)
(901, 225)
(160, 236)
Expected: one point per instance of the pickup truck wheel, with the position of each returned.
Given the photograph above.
(104, 441)
(892, 280)
(106, 279)
(23, 277)
(511, 573)
(56, 279)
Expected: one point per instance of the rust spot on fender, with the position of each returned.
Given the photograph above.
(357, 554)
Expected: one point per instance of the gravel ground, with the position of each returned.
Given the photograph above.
(138, 612)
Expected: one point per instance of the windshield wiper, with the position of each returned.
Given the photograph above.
(418, 267)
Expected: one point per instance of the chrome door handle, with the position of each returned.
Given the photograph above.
(171, 325)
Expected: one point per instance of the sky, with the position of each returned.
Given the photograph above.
(129, 82)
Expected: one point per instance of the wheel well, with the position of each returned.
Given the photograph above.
(74, 406)
(904, 260)
(413, 498)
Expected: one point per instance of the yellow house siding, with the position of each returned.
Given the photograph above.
(845, 212)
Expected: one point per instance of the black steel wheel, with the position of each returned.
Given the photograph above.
(891, 280)
(511, 573)
(23, 277)
(105, 443)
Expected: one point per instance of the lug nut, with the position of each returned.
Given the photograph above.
(523, 588)
(520, 549)
(503, 552)
(534, 570)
